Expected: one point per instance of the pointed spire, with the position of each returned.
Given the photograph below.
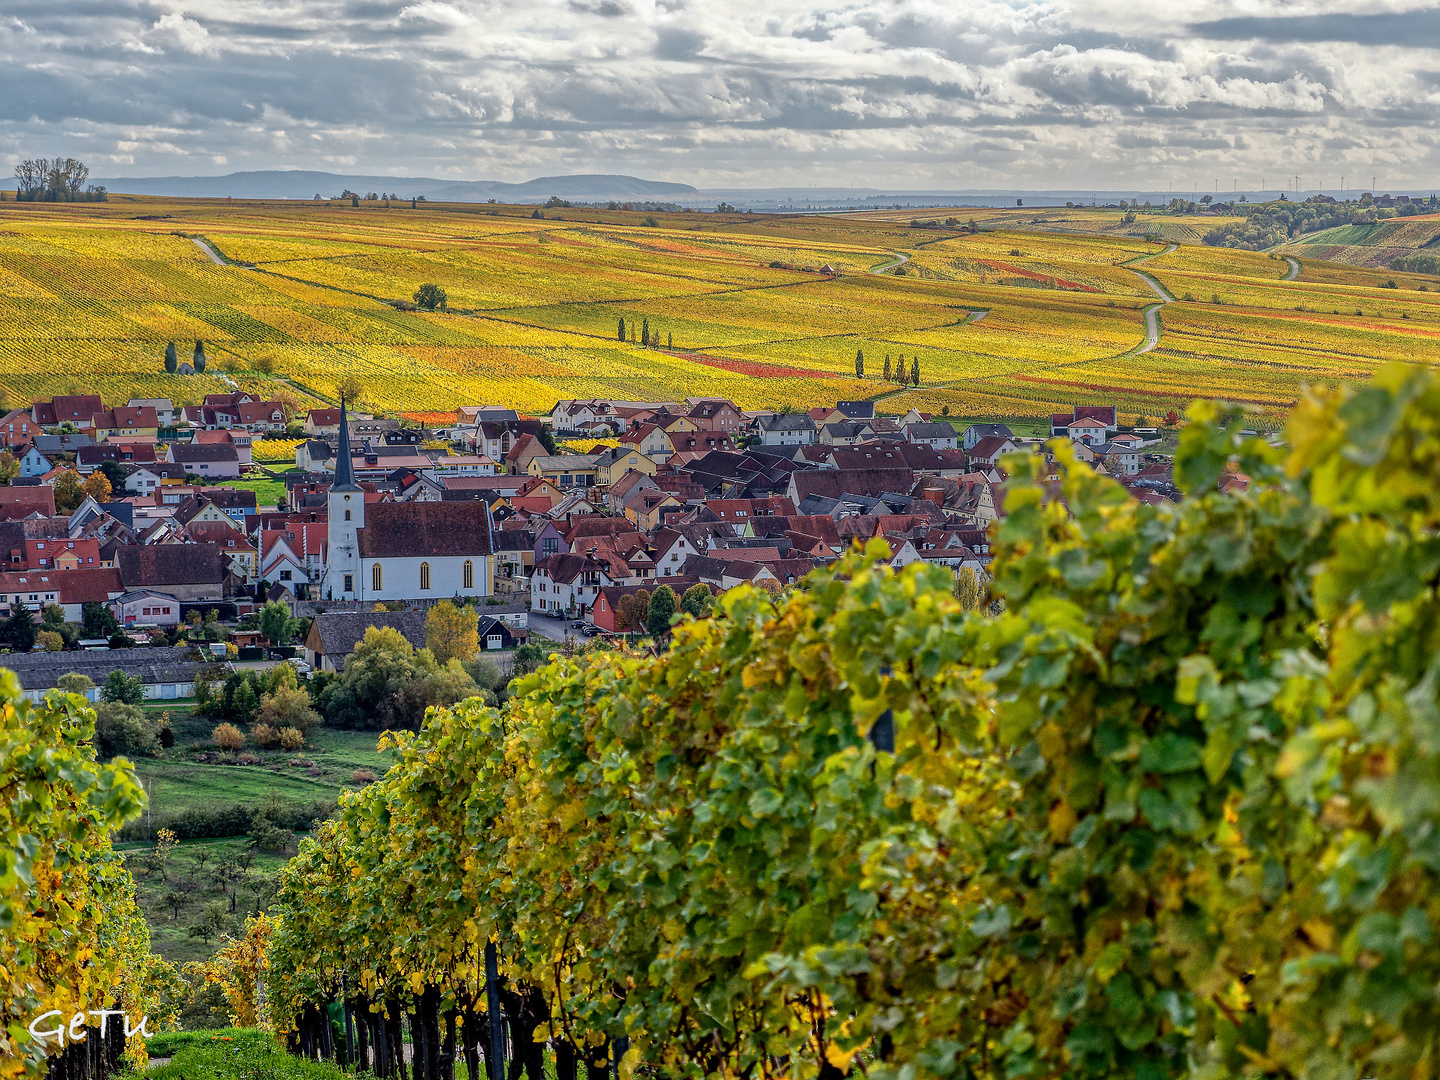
(344, 471)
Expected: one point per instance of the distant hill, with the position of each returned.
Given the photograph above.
(298, 184)
(1372, 245)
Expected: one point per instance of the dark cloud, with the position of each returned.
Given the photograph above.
(1418, 29)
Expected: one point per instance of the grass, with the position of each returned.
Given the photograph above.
(235, 1054)
(192, 778)
(90, 294)
(269, 491)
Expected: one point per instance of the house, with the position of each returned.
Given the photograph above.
(334, 634)
(208, 460)
(1100, 417)
(615, 463)
(314, 455)
(524, 450)
(125, 422)
(20, 501)
(845, 433)
(787, 429)
(937, 436)
(240, 439)
(496, 633)
(1119, 459)
(34, 463)
(164, 674)
(605, 611)
(715, 414)
(649, 439)
(322, 423)
(76, 409)
(990, 449)
(190, 572)
(17, 428)
(403, 550)
(565, 470)
(163, 406)
(567, 583)
(145, 607)
(975, 432)
(833, 483)
(71, 589)
(261, 416)
(850, 412)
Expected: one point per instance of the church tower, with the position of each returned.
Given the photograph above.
(345, 518)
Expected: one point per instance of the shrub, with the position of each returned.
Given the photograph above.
(262, 734)
(125, 729)
(363, 776)
(228, 737)
(291, 738)
(51, 641)
(288, 707)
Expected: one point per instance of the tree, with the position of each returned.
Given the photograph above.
(967, 589)
(887, 367)
(622, 328)
(528, 658)
(175, 900)
(669, 340)
(97, 486)
(50, 641)
(633, 610)
(115, 473)
(9, 466)
(122, 689)
(645, 332)
(19, 632)
(915, 371)
(430, 297)
(287, 707)
(662, 606)
(69, 491)
(75, 683)
(381, 685)
(228, 736)
(198, 360)
(122, 728)
(172, 360)
(350, 390)
(859, 364)
(451, 632)
(274, 623)
(243, 702)
(97, 620)
(697, 600)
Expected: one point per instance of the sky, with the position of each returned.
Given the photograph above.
(885, 94)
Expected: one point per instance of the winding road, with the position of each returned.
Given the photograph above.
(214, 255)
(1152, 312)
(1294, 268)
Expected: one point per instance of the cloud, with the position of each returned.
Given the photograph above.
(889, 93)
(181, 33)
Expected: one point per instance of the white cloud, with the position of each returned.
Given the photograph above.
(180, 32)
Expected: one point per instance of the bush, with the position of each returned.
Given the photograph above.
(50, 641)
(228, 737)
(288, 707)
(234, 819)
(122, 688)
(363, 776)
(292, 738)
(125, 729)
(263, 735)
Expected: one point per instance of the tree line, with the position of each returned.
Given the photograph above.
(55, 180)
(1163, 806)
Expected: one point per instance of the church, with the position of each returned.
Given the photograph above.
(412, 551)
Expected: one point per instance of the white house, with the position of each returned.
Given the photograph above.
(787, 429)
(937, 436)
(34, 463)
(567, 583)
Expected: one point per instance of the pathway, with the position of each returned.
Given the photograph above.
(214, 255)
(1294, 268)
(1151, 312)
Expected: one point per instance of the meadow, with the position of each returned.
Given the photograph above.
(1010, 313)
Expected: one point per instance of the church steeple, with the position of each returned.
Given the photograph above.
(344, 470)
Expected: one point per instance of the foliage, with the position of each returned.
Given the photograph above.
(382, 684)
(75, 683)
(430, 296)
(287, 707)
(122, 728)
(661, 610)
(18, 632)
(69, 491)
(274, 622)
(97, 620)
(697, 601)
(228, 737)
(451, 632)
(97, 486)
(122, 688)
(73, 938)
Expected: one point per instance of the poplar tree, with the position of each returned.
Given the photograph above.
(622, 328)
(915, 371)
(172, 362)
(859, 364)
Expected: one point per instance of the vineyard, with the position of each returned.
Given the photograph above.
(1169, 810)
(309, 294)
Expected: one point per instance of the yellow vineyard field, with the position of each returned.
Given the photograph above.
(1039, 309)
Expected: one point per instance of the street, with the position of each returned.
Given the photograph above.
(547, 627)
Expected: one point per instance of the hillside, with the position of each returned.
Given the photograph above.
(1037, 310)
(302, 184)
(1370, 245)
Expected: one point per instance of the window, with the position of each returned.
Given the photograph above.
(469, 576)
(377, 579)
(424, 576)
(347, 515)
(284, 575)
(349, 583)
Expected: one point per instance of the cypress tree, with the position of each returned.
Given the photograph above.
(199, 360)
(645, 333)
(915, 371)
(622, 327)
(887, 367)
(670, 341)
(172, 362)
(859, 364)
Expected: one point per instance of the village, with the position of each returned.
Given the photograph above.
(129, 520)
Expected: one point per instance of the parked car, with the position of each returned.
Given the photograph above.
(592, 630)
(579, 624)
